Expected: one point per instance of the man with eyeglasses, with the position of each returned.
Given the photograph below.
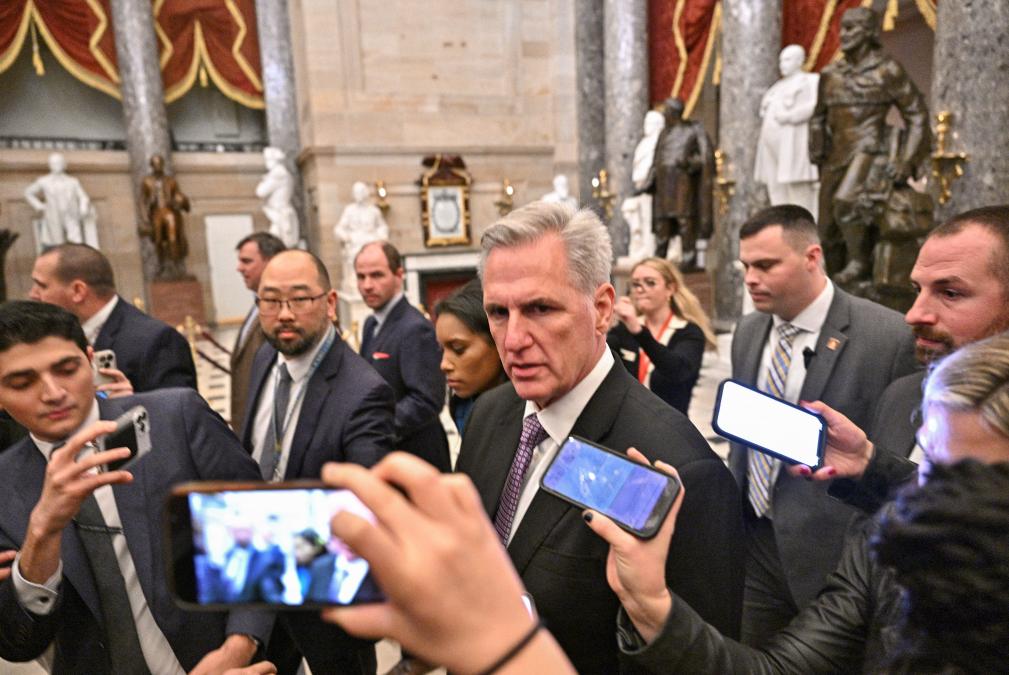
(312, 400)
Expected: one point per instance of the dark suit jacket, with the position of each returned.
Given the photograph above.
(563, 563)
(346, 414)
(898, 415)
(322, 575)
(677, 365)
(263, 578)
(242, 357)
(412, 367)
(189, 442)
(152, 354)
(871, 347)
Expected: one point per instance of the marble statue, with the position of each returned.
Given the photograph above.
(782, 162)
(637, 209)
(277, 187)
(683, 176)
(163, 205)
(360, 223)
(63, 210)
(561, 192)
(7, 239)
(861, 161)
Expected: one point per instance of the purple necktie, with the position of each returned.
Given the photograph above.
(532, 435)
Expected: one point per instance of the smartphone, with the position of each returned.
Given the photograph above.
(769, 425)
(637, 497)
(263, 545)
(104, 358)
(133, 431)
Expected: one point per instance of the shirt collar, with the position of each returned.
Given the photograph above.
(812, 317)
(298, 366)
(558, 418)
(46, 447)
(381, 314)
(93, 326)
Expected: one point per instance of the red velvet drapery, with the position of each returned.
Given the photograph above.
(198, 40)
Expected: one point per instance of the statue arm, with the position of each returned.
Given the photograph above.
(819, 134)
(914, 110)
(83, 200)
(805, 103)
(32, 193)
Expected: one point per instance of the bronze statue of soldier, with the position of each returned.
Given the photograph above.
(681, 183)
(163, 205)
(849, 141)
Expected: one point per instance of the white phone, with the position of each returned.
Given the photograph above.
(104, 358)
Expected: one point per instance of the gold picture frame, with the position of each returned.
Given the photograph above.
(444, 201)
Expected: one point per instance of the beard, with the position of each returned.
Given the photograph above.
(926, 355)
(304, 342)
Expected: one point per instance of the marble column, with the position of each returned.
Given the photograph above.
(143, 103)
(591, 101)
(277, 60)
(751, 40)
(969, 80)
(625, 41)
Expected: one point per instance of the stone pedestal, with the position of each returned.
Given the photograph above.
(751, 39)
(172, 301)
(971, 61)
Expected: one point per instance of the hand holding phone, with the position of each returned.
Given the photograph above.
(104, 358)
(132, 432)
(633, 495)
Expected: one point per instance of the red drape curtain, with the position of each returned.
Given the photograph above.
(197, 40)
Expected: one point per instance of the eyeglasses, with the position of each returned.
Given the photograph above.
(297, 305)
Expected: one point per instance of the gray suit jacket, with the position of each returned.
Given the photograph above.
(242, 357)
(870, 346)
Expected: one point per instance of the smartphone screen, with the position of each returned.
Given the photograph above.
(768, 424)
(634, 495)
(269, 546)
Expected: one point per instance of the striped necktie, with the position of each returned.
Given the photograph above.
(761, 466)
(532, 435)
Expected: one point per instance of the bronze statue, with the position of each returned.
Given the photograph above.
(7, 239)
(683, 173)
(164, 204)
(849, 140)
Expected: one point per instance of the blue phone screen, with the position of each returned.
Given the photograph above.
(615, 486)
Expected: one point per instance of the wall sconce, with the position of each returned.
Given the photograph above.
(381, 194)
(601, 192)
(725, 187)
(946, 166)
(505, 201)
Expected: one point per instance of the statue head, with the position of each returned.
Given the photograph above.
(790, 60)
(673, 110)
(158, 164)
(859, 26)
(360, 191)
(561, 185)
(57, 163)
(272, 156)
(654, 121)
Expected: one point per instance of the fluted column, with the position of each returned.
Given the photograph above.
(625, 39)
(591, 102)
(969, 80)
(143, 103)
(751, 39)
(277, 60)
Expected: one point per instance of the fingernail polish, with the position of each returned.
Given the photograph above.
(587, 516)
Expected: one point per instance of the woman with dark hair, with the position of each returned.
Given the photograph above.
(946, 542)
(469, 359)
(307, 546)
(661, 332)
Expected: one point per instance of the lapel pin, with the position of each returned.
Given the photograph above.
(833, 344)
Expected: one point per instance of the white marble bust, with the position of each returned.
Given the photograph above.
(561, 194)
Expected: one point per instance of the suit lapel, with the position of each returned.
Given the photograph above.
(388, 327)
(107, 335)
(829, 346)
(309, 419)
(493, 458)
(546, 510)
(261, 367)
(749, 368)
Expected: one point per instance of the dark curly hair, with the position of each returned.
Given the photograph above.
(948, 544)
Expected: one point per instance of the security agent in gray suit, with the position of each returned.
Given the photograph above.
(808, 341)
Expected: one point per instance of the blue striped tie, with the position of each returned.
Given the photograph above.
(761, 466)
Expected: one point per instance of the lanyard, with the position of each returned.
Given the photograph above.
(327, 343)
(643, 360)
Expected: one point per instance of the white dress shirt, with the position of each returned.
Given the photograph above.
(810, 320)
(298, 367)
(41, 599)
(557, 419)
(93, 326)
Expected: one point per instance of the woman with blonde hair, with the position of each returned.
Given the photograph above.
(662, 332)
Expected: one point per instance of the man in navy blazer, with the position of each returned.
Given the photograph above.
(52, 595)
(399, 342)
(79, 279)
(339, 410)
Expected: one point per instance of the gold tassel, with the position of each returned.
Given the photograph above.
(203, 77)
(890, 17)
(40, 68)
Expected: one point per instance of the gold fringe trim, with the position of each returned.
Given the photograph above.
(86, 76)
(236, 52)
(40, 68)
(201, 59)
(890, 16)
(681, 47)
(716, 26)
(928, 10)
(821, 35)
(96, 37)
(8, 57)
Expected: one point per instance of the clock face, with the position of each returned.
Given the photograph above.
(445, 214)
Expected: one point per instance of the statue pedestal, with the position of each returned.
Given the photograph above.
(352, 312)
(173, 300)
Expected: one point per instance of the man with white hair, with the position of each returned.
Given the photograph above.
(548, 298)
